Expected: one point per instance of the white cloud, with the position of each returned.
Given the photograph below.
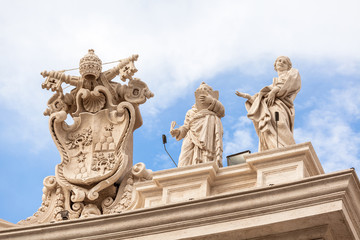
(179, 42)
(163, 161)
(239, 137)
(330, 126)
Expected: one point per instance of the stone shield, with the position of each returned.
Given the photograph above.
(95, 150)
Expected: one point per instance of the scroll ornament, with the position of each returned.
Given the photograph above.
(96, 172)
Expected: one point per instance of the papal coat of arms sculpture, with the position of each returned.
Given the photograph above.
(96, 173)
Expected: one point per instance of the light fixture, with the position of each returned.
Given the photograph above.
(237, 158)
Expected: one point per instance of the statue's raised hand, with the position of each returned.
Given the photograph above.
(243, 95)
(175, 132)
(205, 99)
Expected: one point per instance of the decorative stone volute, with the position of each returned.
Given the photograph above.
(96, 173)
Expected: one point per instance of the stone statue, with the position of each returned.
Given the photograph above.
(277, 97)
(202, 130)
(96, 173)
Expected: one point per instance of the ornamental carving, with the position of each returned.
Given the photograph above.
(80, 140)
(96, 173)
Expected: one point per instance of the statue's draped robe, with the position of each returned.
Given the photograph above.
(263, 116)
(202, 132)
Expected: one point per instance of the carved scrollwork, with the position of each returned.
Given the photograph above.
(56, 104)
(94, 150)
(126, 197)
(107, 202)
(78, 195)
(75, 210)
(77, 206)
(136, 92)
(93, 194)
(139, 170)
(49, 183)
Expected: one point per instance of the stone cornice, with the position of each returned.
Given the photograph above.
(323, 200)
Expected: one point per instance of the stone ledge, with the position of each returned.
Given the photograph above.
(323, 201)
(6, 224)
(271, 167)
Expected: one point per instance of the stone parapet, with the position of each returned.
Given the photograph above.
(266, 168)
(319, 207)
(286, 164)
(277, 194)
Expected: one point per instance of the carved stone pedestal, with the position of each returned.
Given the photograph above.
(286, 164)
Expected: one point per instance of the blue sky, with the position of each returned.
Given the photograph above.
(231, 45)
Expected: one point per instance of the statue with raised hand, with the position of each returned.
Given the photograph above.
(202, 130)
(277, 97)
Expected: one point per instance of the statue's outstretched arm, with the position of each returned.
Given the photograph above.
(247, 96)
(178, 133)
(243, 95)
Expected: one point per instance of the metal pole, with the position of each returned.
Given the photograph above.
(277, 133)
(164, 141)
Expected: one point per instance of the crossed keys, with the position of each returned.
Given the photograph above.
(53, 80)
(127, 68)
